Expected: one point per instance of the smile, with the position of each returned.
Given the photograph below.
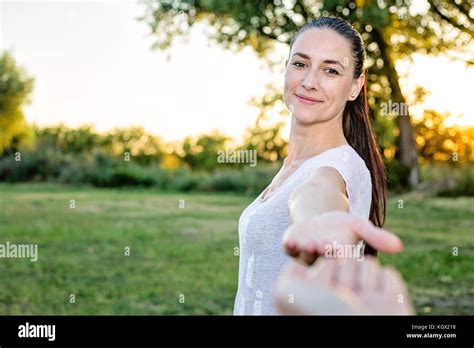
(307, 101)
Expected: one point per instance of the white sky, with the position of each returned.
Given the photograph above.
(93, 65)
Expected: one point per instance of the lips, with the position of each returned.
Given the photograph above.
(307, 100)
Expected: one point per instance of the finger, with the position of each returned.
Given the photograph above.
(310, 246)
(308, 252)
(290, 248)
(346, 273)
(378, 238)
(394, 288)
(293, 249)
(310, 299)
(290, 242)
(368, 275)
(294, 240)
(301, 244)
(390, 280)
(323, 272)
(304, 241)
(324, 248)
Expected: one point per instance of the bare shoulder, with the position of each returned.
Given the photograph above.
(324, 190)
(327, 177)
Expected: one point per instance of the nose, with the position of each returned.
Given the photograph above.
(311, 80)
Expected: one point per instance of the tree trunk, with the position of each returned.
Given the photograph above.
(406, 141)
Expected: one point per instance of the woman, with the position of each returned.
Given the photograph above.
(332, 181)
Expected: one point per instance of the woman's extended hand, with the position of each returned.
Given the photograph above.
(318, 236)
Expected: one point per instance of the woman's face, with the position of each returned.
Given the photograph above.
(320, 67)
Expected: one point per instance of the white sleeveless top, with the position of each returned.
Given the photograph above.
(262, 224)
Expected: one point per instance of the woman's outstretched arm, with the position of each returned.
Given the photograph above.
(319, 212)
(324, 191)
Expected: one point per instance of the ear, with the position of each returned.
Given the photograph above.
(356, 87)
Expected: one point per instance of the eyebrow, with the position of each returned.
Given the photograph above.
(327, 61)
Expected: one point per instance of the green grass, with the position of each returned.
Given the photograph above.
(190, 251)
(439, 281)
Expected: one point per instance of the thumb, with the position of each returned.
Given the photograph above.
(379, 238)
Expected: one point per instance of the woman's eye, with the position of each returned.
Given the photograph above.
(298, 64)
(332, 71)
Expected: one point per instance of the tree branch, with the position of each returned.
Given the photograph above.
(449, 19)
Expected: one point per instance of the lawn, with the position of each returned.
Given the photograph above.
(147, 252)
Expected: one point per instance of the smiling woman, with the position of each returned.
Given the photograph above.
(331, 183)
(325, 70)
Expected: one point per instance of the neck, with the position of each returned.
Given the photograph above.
(308, 140)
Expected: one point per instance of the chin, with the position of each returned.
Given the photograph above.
(305, 116)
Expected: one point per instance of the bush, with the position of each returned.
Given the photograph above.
(226, 180)
(184, 180)
(77, 171)
(162, 177)
(259, 177)
(103, 170)
(98, 169)
(251, 180)
(44, 164)
(106, 171)
(464, 178)
(121, 176)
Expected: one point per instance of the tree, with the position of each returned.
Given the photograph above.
(142, 147)
(202, 152)
(438, 143)
(15, 88)
(263, 137)
(69, 140)
(391, 32)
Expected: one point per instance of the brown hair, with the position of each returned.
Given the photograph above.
(356, 119)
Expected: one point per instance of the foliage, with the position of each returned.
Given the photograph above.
(439, 143)
(15, 89)
(202, 152)
(464, 183)
(391, 31)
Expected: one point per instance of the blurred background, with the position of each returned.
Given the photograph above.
(112, 115)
